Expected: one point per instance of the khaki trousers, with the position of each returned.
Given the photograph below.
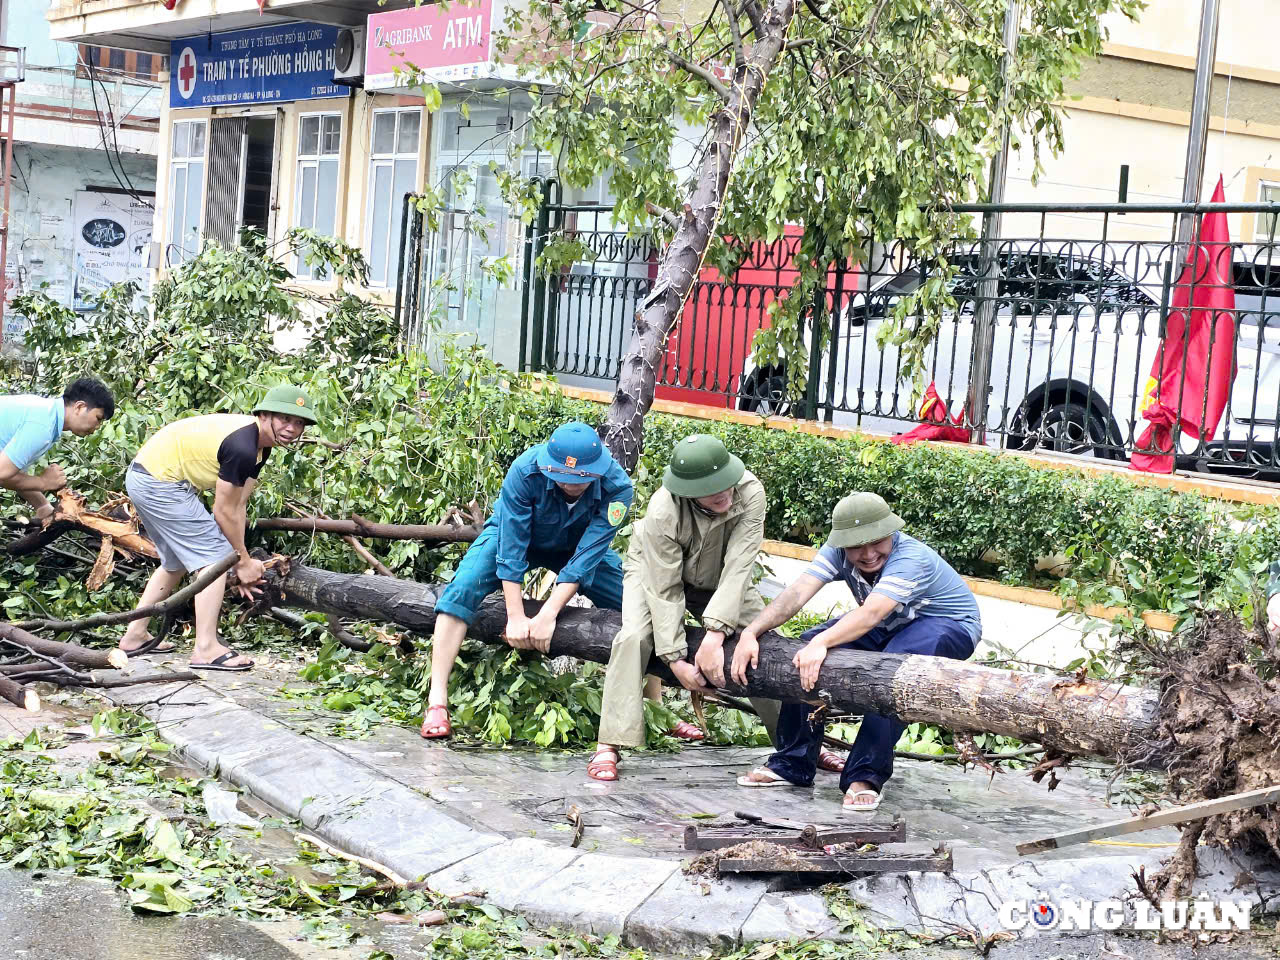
(622, 712)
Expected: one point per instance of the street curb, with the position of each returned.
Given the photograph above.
(356, 809)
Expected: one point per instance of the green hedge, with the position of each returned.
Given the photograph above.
(1129, 545)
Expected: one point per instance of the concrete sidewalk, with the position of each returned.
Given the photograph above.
(475, 818)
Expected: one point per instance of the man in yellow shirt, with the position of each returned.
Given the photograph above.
(222, 452)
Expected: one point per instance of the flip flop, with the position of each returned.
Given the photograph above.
(445, 725)
(849, 806)
(221, 663)
(772, 779)
(154, 645)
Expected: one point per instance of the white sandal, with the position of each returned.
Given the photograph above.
(771, 779)
(849, 805)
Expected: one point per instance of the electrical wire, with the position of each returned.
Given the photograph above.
(115, 137)
(121, 175)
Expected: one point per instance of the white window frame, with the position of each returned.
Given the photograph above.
(313, 161)
(388, 160)
(184, 163)
(1263, 230)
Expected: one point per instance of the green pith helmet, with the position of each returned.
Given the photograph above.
(701, 466)
(287, 400)
(862, 518)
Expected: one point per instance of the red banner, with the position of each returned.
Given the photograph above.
(1192, 374)
(936, 424)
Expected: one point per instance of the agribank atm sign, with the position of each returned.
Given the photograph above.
(453, 44)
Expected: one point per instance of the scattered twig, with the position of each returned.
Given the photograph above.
(387, 872)
(574, 816)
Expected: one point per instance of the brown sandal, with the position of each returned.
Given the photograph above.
(605, 769)
(436, 724)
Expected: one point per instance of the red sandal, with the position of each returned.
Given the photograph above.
(686, 731)
(828, 760)
(603, 769)
(438, 728)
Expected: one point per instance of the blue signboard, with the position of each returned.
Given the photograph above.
(263, 65)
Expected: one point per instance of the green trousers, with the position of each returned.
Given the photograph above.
(622, 713)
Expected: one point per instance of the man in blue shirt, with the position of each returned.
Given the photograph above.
(561, 504)
(910, 600)
(29, 426)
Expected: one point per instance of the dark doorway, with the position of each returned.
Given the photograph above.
(259, 157)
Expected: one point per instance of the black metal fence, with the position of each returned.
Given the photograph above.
(1049, 339)
(1073, 307)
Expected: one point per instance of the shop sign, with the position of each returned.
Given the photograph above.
(445, 45)
(262, 65)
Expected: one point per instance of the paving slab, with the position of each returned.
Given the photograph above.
(596, 893)
(689, 914)
(792, 915)
(506, 872)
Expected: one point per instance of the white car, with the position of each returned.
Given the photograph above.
(1075, 338)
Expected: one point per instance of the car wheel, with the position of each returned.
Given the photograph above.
(1064, 427)
(767, 396)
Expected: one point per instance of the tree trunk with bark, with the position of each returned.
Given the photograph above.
(1062, 713)
(682, 260)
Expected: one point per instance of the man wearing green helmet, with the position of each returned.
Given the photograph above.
(703, 529)
(223, 452)
(909, 599)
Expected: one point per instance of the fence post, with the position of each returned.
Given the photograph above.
(528, 274)
(551, 284)
(984, 319)
(833, 345)
(537, 356)
(816, 317)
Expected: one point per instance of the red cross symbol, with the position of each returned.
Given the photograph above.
(186, 73)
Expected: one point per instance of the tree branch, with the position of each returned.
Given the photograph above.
(667, 216)
(755, 15)
(815, 10)
(873, 19)
(739, 52)
(156, 609)
(700, 72)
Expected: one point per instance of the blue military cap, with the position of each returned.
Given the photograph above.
(574, 450)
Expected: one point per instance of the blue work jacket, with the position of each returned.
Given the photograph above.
(533, 518)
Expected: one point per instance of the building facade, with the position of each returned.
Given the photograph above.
(82, 186)
(1132, 107)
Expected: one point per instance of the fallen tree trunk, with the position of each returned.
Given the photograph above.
(359, 527)
(68, 653)
(1062, 713)
(19, 695)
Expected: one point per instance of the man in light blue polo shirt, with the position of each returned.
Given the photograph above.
(910, 600)
(29, 426)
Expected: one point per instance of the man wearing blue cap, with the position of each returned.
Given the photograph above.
(561, 504)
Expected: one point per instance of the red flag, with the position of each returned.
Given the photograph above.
(935, 425)
(1192, 373)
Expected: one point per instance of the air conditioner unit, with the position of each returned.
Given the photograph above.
(348, 57)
